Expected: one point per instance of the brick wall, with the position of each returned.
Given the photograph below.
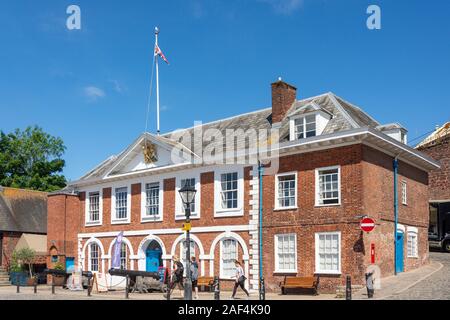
(440, 179)
(366, 189)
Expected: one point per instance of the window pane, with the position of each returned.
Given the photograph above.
(121, 203)
(152, 199)
(94, 206)
(328, 252)
(229, 192)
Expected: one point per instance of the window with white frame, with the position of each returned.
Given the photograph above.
(94, 207)
(328, 252)
(229, 190)
(412, 244)
(328, 186)
(152, 199)
(286, 253)
(305, 127)
(190, 182)
(404, 193)
(183, 250)
(94, 257)
(228, 255)
(123, 256)
(286, 190)
(121, 203)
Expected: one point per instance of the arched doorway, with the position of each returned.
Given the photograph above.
(153, 256)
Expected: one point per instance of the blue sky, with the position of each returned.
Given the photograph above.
(90, 86)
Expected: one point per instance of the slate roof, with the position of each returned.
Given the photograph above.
(344, 116)
(23, 211)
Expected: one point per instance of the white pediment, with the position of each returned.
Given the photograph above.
(133, 159)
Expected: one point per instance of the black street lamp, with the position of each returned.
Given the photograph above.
(187, 194)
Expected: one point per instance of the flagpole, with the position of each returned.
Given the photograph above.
(157, 84)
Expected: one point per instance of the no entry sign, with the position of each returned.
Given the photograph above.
(367, 224)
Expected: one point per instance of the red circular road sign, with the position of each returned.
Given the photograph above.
(367, 224)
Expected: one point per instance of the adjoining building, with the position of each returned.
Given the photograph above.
(437, 146)
(330, 165)
(23, 224)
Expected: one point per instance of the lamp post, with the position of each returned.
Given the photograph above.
(187, 194)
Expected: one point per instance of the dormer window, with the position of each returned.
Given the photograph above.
(305, 127)
(308, 121)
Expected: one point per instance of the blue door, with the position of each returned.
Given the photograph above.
(70, 264)
(399, 253)
(152, 260)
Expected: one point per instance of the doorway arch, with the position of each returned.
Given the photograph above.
(151, 254)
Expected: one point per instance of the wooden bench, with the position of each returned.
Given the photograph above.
(203, 282)
(300, 283)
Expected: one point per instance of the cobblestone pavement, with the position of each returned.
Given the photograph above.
(435, 287)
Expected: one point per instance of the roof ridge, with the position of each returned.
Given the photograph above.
(355, 106)
(23, 190)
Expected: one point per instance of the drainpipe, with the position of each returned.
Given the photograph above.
(395, 164)
(261, 274)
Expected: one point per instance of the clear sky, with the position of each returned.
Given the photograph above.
(90, 86)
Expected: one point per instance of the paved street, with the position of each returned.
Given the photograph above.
(435, 287)
(429, 282)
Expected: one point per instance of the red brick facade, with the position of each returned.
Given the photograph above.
(366, 189)
(439, 179)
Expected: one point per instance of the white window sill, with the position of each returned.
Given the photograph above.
(183, 217)
(151, 219)
(334, 273)
(286, 271)
(123, 221)
(285, 208)
(93, 224)
(413, 257)
(229, 213)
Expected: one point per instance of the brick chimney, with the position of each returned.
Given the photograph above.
(283, 96)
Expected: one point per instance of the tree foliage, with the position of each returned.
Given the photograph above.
(31, 159)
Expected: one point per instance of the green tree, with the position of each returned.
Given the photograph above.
(31, 159)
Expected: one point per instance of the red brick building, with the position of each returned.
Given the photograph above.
(437, 146)
(23, 215)
(330, 164)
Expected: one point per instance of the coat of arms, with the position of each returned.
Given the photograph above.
(150, 153)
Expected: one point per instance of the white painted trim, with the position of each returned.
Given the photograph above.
(100, 257)
(87, 222)
(245, 254)
(221, 273)
(141, 256)
(225, 228)
(401, 228)
(276, 269)
(316, 253)
(115, 186)
(412, 231)
(404, 192)
(160, 216)
(130, 248)
(179, 211)
(317, 188)
(277, 176)
(183, 237)
(218, 210)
